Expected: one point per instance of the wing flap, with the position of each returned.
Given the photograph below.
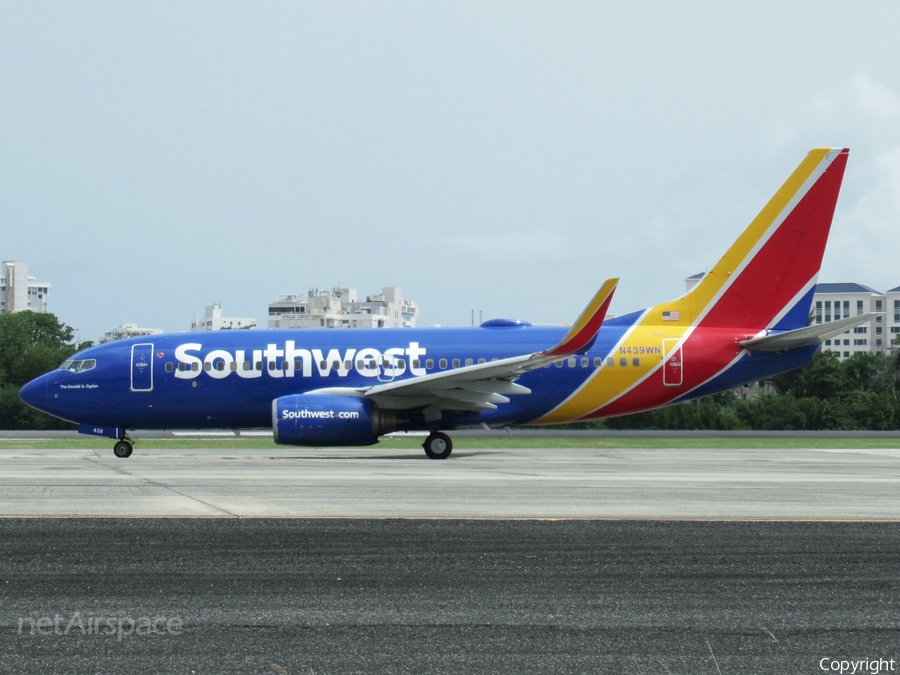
(471, 396)
(496, 387)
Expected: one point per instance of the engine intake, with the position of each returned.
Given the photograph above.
(321, 420)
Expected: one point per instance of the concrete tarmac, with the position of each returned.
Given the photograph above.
(681, 484)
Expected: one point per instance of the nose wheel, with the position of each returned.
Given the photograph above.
(438, 445)
(123, 449)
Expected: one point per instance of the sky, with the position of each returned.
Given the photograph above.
(505, 157)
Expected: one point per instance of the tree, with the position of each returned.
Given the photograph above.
(858, 393)
(823, 378)
(30, 345)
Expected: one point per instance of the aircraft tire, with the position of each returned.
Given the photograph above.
(438, 445)
(123, 449)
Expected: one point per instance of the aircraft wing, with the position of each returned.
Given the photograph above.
(482, 386)
(804, 337)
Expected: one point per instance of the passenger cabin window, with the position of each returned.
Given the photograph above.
(456, 363)
(170, 367)
(468, 362)
(429, 363)
(481, 361)
(572, 362)
(635, 361)
(610, 362)
(443, 363)
(597, 362)
(623, 362)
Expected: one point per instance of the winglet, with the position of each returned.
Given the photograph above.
(584, 330)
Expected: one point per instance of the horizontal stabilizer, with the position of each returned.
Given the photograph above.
(804, 337)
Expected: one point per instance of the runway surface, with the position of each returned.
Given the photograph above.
(292, 561)
(363, 596)
(519, 483)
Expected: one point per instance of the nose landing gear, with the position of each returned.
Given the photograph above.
(123, 448)
(438, 445)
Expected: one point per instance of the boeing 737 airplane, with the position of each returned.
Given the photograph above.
(747, 319)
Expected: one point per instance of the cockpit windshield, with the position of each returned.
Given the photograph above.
(78, 366)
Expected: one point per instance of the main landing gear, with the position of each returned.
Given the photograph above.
(438, 445)
(124, 448)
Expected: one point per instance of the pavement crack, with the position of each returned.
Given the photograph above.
(147, 481)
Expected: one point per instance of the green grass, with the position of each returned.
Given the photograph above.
(238, 444)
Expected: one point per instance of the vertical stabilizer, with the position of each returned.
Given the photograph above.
(767, 277)
(765, 280)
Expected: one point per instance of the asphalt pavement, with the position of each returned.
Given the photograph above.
(445, 596)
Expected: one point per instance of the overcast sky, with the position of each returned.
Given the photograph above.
(503, 156)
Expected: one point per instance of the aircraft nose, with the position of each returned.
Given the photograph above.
(35, 393)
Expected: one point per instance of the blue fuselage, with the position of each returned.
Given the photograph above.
(228, 379)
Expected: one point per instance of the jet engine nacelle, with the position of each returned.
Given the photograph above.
(320, 419)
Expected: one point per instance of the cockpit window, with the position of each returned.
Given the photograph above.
(79, 365)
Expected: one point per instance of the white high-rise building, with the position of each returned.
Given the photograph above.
(213, 320)
(127, 330)
(19, 292)
(892, 317)
(342, 308)
(841, 301)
